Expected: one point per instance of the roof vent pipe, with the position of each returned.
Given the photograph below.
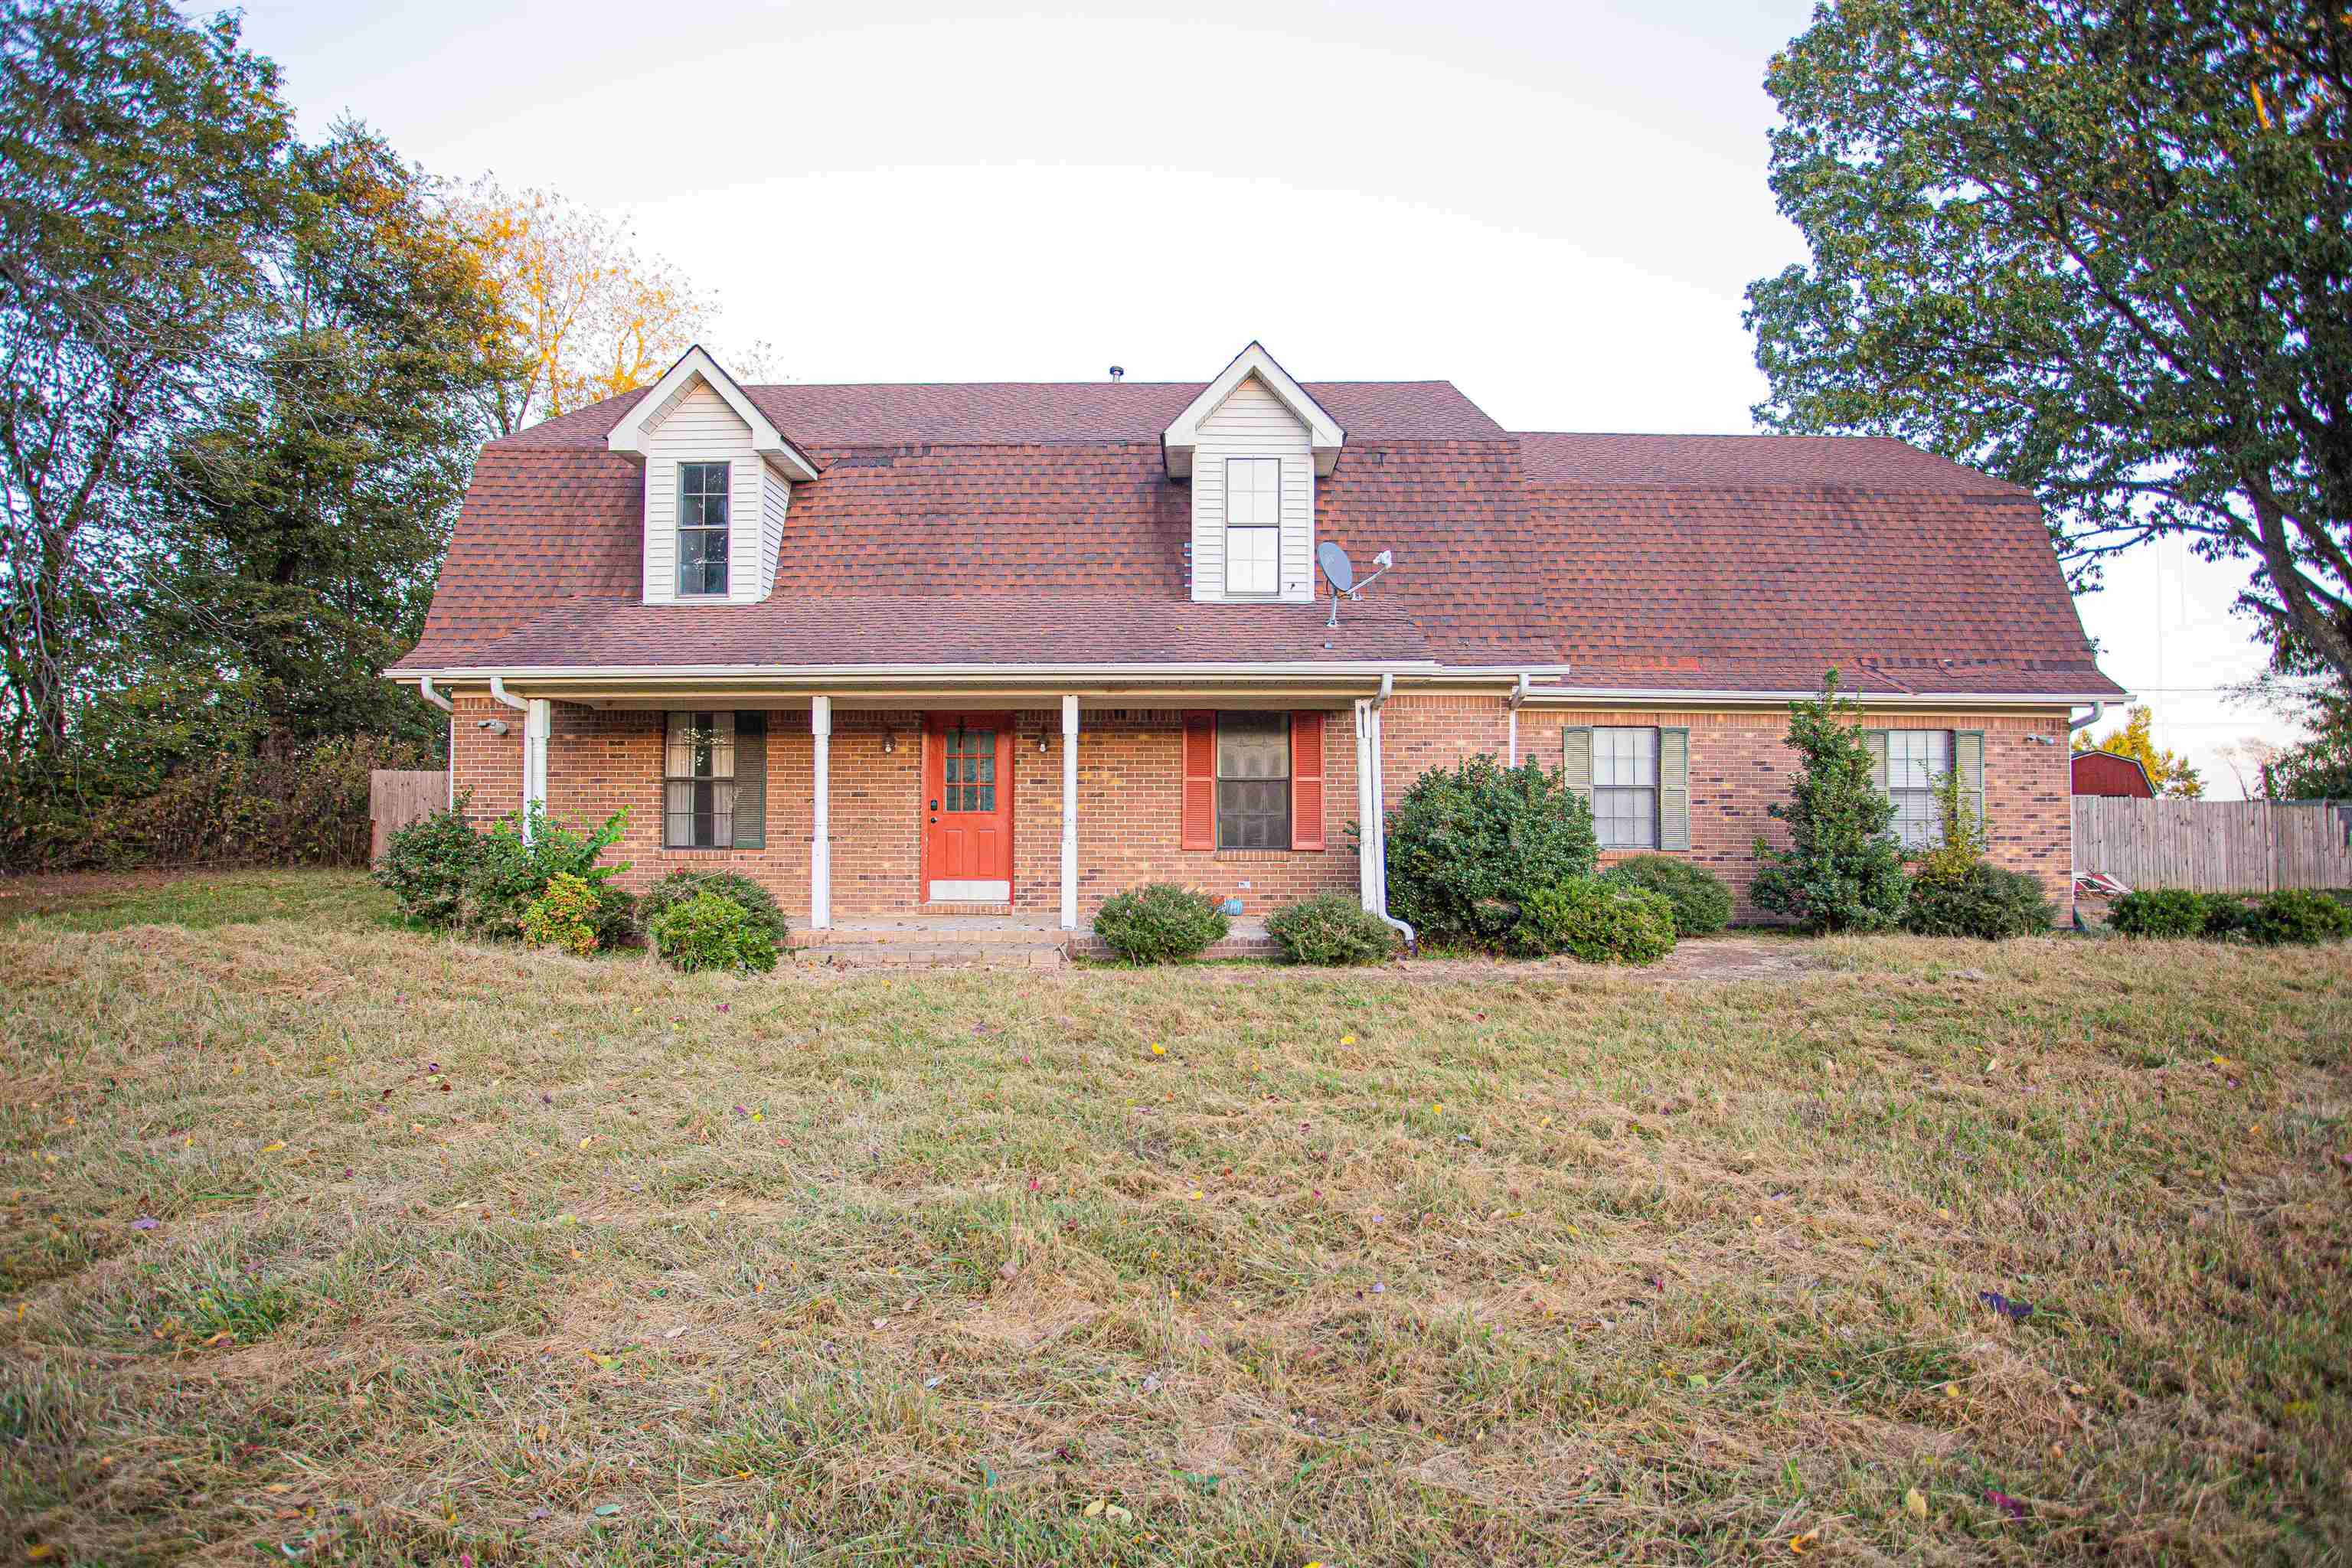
(1118, 371)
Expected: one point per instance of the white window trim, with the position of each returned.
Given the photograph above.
(1656, 787)
(679, 529)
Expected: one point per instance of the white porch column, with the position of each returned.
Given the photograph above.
(820, 815)
(1368, 864)
(538, 722)
(1069, 813)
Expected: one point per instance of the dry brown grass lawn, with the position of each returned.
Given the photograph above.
(471, 1250)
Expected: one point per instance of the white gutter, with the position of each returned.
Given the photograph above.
(1376, 827)
(1518, 695)
(425, 690)
(498, 690)
(1673, 694)
(498, 673)
(2098, 711)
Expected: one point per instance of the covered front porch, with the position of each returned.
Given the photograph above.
(868, 807)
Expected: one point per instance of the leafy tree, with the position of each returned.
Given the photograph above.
(2103, 249)
(145, 158)
(1842, 869)
(581, 315)
(2168, 770)
(298, 528)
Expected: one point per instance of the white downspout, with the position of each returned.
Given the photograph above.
(425, 690)
(1518, 695)
(1070, 813)
(536, 720)
(1376, 830)
(820, 815)
(2074, 867)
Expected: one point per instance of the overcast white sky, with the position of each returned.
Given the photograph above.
(1555, 207)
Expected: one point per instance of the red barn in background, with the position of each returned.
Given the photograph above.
(2104, 773)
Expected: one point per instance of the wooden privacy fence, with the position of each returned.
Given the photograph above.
(398, 796)
(2215, 846)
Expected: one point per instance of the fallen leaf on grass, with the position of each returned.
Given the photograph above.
(1800, 1545)
(608, 1510)
(1915, 1504)
(2006, 1503)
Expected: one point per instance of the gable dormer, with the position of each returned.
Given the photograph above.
(1252, 444)
(719, 479)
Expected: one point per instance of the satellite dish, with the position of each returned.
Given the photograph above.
(1336, 566)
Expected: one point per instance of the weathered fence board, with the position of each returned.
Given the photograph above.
(398, 796)
(2215, 846)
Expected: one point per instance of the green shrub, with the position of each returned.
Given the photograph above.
(1842, 869)
(1702, 903)
(1467, 846)
(2298, 916)
(737, 890)
(707, 932)
(1978, 901)
(1596, 919)
(1332, 929)
(1158, 922)
(563, 916)
(2226, 915)
(444, 873)
(428, 866)
(2159, 912)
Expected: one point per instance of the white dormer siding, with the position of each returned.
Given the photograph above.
(1251, 422)
(699, 428)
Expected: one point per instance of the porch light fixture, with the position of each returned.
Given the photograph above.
(889, 741)
(1044, 744)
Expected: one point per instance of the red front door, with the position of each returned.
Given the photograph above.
(968, 808)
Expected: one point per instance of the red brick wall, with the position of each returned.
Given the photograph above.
(1129, 774)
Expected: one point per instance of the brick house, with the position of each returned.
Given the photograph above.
(1012, 648)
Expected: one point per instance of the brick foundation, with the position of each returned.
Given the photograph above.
(1129, 774)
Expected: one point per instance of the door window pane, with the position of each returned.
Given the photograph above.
(967, 769)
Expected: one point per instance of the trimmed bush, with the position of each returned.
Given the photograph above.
(1332, 929)
(707, 932)
(1596, 921)
(735, 888)
(2298, 916)
(1158, 922)
(2226, 915)
(1978, 901)
(564, 916)
(1467, 846)
(2159, 912)
(1702, 903)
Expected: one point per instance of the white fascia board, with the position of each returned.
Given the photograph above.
(1323, 432)
(696, 365)
(820, 673)
(1668, 696)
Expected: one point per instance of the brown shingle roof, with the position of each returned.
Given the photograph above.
(1666, 562)
(953, 629)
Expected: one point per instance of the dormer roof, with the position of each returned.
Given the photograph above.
(1323, 432)
(696, 367)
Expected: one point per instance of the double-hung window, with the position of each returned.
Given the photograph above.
(1625, 788)
(698, 782)
(1253, 781)
(1253, 525)
(702, 530)
(1916, 759)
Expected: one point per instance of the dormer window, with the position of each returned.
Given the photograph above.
(702, 529)
(1253, 525)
